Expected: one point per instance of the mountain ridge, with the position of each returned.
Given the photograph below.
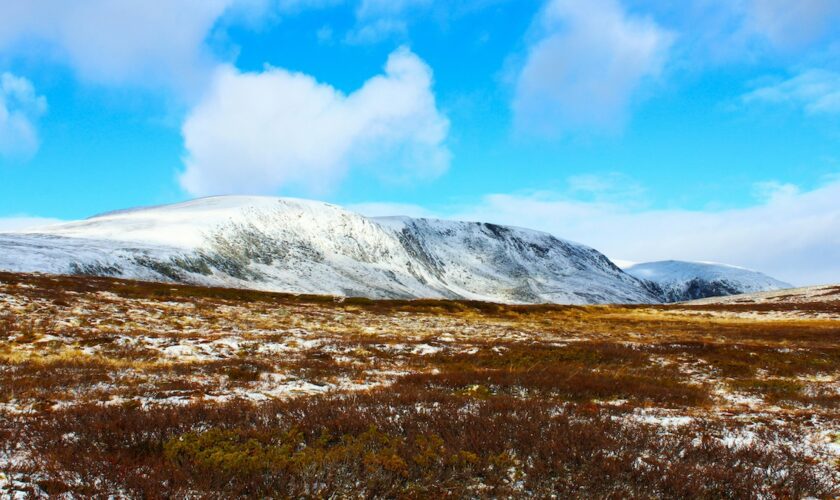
(679, 281)
(304, 246)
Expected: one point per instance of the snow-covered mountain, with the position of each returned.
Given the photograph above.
(676, 281)
(301, 246)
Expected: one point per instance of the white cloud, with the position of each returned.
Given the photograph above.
(792, 235)
(584, 70)
(20, 107)
(816, 91)
(614, 187)
(377, 20)
(376, 30)
(772, 191)
(258, 132)
(17, 223)
(728, 32)
(791, 25)
(150, 42)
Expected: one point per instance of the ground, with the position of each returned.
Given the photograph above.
(112, 387)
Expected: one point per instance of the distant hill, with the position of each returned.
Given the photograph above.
(677, 281)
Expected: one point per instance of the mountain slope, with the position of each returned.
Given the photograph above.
(301, 246)
(677, 281)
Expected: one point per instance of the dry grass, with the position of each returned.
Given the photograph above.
(150, 390)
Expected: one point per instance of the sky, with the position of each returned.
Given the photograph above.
(649, 129)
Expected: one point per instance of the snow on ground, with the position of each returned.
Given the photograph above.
(681, 280)
(300, 246)
(173, 346)
(803, 295)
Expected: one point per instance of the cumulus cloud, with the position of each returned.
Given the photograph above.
(258, 132)
(583, 71)
(20, 107)
(816, 91)
(791, 234)
(149, 42)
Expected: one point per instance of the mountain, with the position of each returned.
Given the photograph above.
(300, 246)
(804, 301)
(677, 281)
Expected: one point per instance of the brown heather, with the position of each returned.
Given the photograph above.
(145, 390)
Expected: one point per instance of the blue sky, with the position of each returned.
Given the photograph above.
(701, 130)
